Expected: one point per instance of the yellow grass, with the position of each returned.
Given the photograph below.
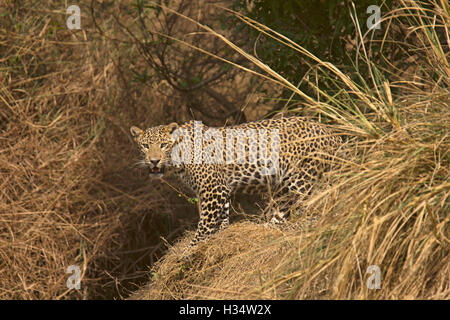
(69, 194)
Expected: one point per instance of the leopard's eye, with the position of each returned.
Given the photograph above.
(163, 145)
(145, 146)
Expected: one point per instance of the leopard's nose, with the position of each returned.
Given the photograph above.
(154, 162)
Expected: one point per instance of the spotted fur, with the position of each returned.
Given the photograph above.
(305, 151)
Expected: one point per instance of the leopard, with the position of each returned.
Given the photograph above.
(284, 157)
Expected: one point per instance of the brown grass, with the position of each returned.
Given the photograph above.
(388, 205)
(69, 193)
(235, 269)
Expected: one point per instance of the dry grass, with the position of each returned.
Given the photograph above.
(68, 191)
(69, 194)
(388, 205)
(238, 267)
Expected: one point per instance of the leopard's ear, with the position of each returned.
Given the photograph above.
(135, 131)
(171, 127)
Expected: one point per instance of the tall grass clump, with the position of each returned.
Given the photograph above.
(69, 194)
(387, 208)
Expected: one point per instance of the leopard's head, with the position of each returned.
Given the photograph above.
(156, 144)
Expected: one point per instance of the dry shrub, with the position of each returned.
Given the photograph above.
(69, 194)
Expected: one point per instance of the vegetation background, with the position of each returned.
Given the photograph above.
(70, 193)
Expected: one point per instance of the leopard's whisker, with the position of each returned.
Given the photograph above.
(139, 164)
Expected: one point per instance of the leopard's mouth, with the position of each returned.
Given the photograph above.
(156, 172)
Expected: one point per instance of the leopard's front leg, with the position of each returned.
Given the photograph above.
(214, 211)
